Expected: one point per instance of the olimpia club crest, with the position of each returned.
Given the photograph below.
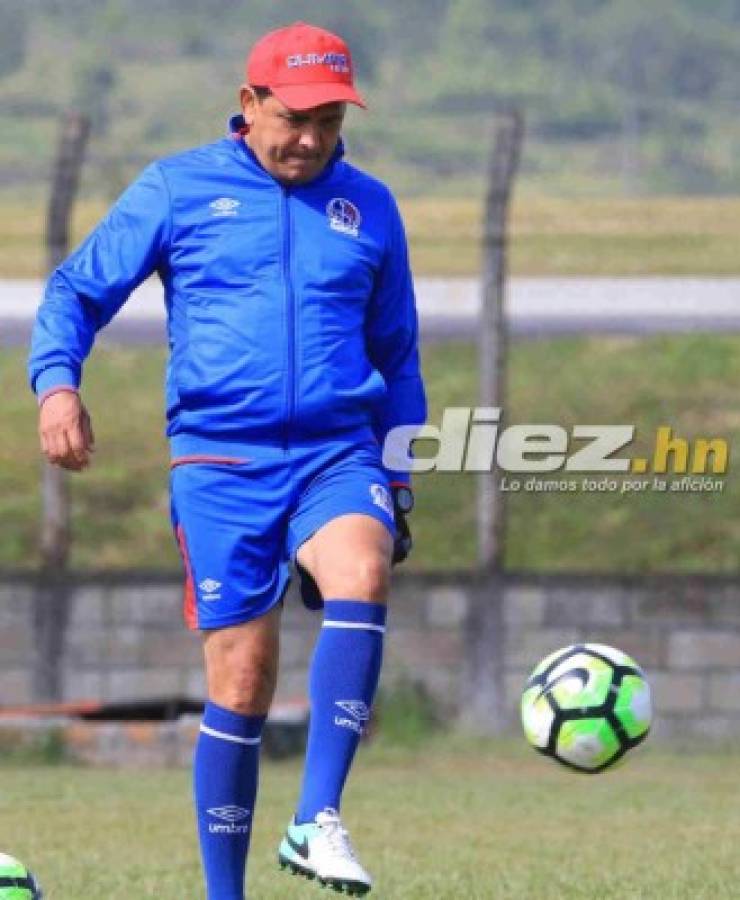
(344, 216)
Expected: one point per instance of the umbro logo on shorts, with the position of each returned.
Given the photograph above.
(209, 587)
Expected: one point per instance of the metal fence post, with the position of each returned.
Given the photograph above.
(485, 689)
(50, 612)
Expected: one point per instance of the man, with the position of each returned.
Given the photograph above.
(293, 338)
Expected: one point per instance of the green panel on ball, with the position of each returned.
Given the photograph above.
(634, 706)
(12, 868)
(587, 743)
(571, 692)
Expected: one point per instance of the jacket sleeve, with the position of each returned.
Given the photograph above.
(90, 286)
(392, 336)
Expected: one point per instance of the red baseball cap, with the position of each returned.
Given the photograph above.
(304, 66)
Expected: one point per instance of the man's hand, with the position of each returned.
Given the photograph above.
(65, 431)
(403, 503)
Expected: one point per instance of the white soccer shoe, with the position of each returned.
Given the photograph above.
(322, 850)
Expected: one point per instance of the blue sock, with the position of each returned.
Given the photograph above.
(225, 787)
(344, 676)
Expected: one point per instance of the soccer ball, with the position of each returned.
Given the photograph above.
(586, 706)
(16, 882)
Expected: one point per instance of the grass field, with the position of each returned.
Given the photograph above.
(549, 235)
(457, 818)
(120, 506)
(582, 236)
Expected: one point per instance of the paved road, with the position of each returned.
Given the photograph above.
(536, 307)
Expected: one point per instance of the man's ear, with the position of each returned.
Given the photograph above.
(247, 101)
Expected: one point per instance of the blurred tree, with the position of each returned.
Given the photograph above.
(412, 28)
(195, 42)
(584, 70)
(13, 37)
(482, 61)
(95, 79)
(110, 18)
(722, 10)
(359, 25)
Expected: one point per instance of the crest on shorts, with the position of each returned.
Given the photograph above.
(381, 498)
(344, 216)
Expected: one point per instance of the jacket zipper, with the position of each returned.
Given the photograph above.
(290, 317)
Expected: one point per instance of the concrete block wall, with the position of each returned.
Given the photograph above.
(469, 641)
(685, 632)
(16, 641)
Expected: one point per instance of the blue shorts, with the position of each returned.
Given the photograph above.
(239, 523)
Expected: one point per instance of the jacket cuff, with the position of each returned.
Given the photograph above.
(62, 389)
(53, 379)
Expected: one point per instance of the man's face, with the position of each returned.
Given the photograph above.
(292, 145)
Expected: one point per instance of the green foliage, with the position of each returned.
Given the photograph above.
(651, 89)
(45, 747)
(405, 715)
(14, 23)
(120, 506)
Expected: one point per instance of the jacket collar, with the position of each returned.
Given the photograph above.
(237, 132)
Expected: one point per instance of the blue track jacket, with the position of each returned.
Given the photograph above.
(290, 310)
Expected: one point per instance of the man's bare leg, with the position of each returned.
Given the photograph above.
(350, 560)
(241, 670)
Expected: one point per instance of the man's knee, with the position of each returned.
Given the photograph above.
(241, 670)
(364, 577)
(374, 577)
(350, 557)
(246, 689)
